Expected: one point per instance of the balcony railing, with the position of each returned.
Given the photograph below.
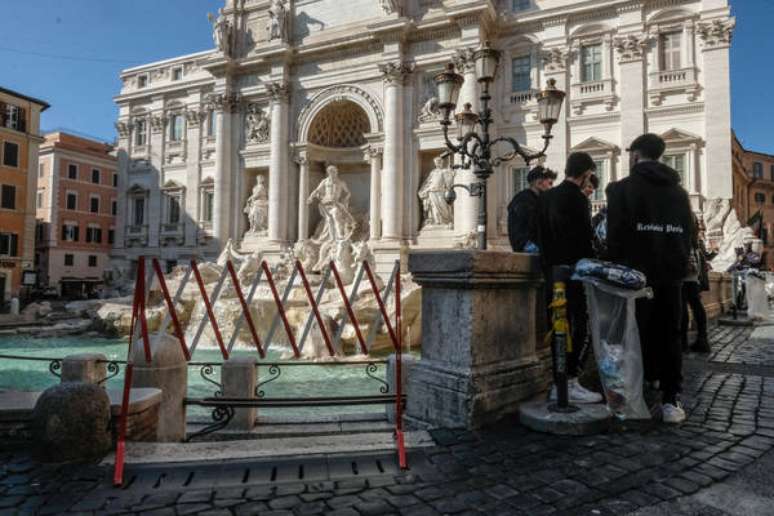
(523, 97)
(174, 229)
(672, 79)
(592, 89)
(136, 230)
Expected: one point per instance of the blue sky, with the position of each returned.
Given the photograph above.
(70, 52)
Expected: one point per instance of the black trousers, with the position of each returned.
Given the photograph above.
(659, 320)
(692, 299)
(577, 316)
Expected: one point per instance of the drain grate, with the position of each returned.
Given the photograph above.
(207, 475)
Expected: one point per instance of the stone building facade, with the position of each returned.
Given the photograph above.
(753, 181)
(241, 135)
(19, 141)
(76, 203)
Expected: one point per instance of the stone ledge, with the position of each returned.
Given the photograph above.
(473, 269)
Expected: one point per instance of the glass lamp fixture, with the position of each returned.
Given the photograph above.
(449, 83)
(466, 121)
(486, 59)
(550, 105)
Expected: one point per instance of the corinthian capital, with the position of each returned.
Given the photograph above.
(716, 33)
(395, 72)
(464, 61)
(228, 102)
(631, 47)
(555, 59)
(279, 91)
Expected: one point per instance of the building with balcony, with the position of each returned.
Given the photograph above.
(19, 141)
(286, 92)
(753, 180)
(76, 205)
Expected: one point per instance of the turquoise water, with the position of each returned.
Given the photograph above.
(294, 381)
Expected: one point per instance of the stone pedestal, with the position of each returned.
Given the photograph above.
(84, 367)
(168, 371)
(239, 376)
(480, 316)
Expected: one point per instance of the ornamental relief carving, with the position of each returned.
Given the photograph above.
(555, 59)
(631, 47)
(395, 73)
(464, 61)
(157, 123)
(257, 125)
(717, 33)
(194, 117)
(279, 91)
(123, 128)
(341, 92)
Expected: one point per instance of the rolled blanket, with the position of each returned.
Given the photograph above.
(619, 275)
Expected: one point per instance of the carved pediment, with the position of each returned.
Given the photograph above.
(593, 144)
(678, 135)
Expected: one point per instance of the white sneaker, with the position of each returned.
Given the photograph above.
(673, 414)
(577, 393)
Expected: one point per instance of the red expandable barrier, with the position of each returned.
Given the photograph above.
(280, 309)
(172, 311)
(348, 306)
(245, 308)
(315, 309)
(208, 306)
(399, 377)
(380, 302)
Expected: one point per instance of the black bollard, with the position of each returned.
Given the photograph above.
(560, 332)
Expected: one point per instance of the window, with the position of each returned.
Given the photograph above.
(70, 232)
(39, 201)
(115, 180)
(677, 162)
(41, 170)
(142, 81)
(760, 197)
(211, 117)
(176, 128)
(94, 204)
(10, 154)
(72, 201)
(94, 235)
(111, 236)
(69, 260)
(139, 211)
(92, 260)
(671, 44)
(95, 176)
(757, 170)
(173, 211)
(208, 205)
(520, 179)
(72, 171)
(9, 244)
(521, 74)
(40, 232)
(12, 117)
(591, 63)
(8, 197)
(113, 208)
(521, 5)
(177, 74)
(140, 133)
(602, 175)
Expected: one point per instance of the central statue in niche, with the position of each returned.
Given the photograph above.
(333, 196)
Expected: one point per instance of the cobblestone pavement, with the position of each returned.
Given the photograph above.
(503, 470)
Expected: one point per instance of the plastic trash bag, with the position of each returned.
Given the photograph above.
(616, 341)
(756, 297)
(614, 273)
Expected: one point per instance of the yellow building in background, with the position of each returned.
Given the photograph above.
(19, 144)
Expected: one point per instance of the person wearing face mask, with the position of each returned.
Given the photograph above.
(564, 237)
(522, 211)
(649, 227)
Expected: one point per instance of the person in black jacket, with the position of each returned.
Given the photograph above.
(564, 237)
(522, 211)
(649, 226)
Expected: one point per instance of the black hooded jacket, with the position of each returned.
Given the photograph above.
(650, 222)
(564, 225)
(522, 219)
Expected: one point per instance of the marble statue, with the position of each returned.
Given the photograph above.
(257, 125)
(430, 111)
(390, 6)
(333, 197)
(222, 32)
(734, 235)
(257, 207)
(436, 211)
(278, 20)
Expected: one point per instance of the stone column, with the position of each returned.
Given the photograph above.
(374, 155)
(466, 207)
(394, 141)
(84, 367)
(481, 312)
(716, 40)
(278, 167)
(631, 52)
(303, 194)
(224, 105)
(239, 379)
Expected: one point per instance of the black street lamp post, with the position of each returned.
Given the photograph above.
(475, 148)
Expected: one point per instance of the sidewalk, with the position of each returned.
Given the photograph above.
(650, 470)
